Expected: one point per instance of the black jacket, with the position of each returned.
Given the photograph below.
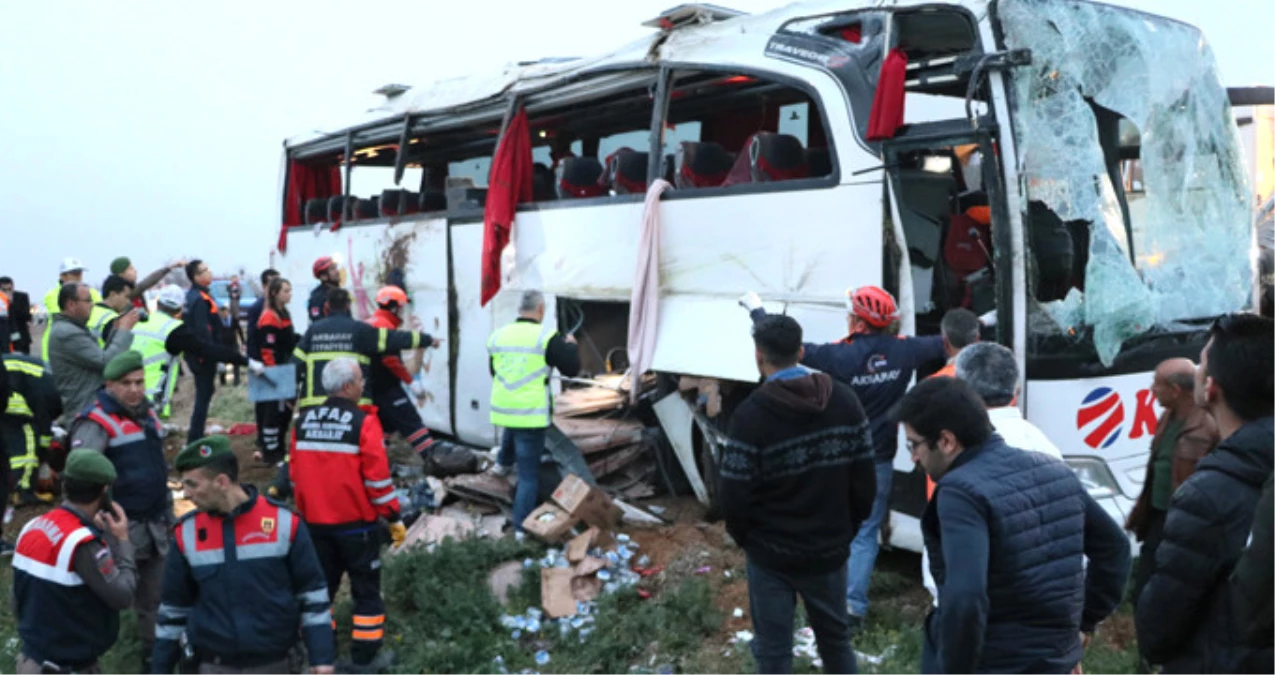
(797, 476)
(252, 340)
(1183, 617)
(200, 315)
(19, 321)
(183, 341)
(340, 335)
(318, 304)
(1252, 588)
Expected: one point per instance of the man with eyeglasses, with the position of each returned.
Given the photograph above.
(1007, 534)
(75, 357)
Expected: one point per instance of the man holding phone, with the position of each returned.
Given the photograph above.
(121, 424)
(69, 581)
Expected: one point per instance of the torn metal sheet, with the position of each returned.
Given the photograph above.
(1193, 231)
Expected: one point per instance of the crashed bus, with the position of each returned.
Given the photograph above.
(958, 154)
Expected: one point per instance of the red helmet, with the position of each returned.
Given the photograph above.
(391, 295)
(872, 304)
(322, 265)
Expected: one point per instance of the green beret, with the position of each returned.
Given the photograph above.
(123, 364)
(89, 466)
(120, 264)
(202, 452)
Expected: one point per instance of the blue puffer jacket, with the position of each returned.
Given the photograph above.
(1007, 532)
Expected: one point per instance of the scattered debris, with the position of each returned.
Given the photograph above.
(549, 523)
(503, 578)
(429, 530)
(738, 613)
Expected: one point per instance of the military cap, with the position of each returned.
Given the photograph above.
(202, 452)
(89, 466)
(120, 264)
(123, 364)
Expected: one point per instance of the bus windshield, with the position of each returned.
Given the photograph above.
(1138, 213)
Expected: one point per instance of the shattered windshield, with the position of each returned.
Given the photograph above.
(1110, 91)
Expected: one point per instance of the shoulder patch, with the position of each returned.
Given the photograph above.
(105, 562)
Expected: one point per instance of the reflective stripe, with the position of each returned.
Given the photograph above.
(315, 597)
(18, 406)
(24, 367)
(543, 340)
(61, 573)
(270, 549)
(315, 619)
(195, 558)
(332, 356)
(163, 632)
(299, 354)
(518, 412)
(369, 621)
(368, 635)
(173, 611)
(374, 484)
(112, 427)
(155, 358)
(385, 499)
(382, 339)
(125, 439)
(515, 350)
(327, 446)
(524, 380)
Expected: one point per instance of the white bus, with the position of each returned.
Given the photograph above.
(1017, 112)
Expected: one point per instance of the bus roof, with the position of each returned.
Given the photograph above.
(727, 40)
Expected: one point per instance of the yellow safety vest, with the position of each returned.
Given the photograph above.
(51, 307)
(97, 322)
(149, 338)
(520, 388)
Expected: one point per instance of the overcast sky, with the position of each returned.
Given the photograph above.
(154, 129)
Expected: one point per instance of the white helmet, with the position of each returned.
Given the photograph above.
(71, 265)
(171, 298)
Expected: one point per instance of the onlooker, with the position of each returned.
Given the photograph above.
(877, 365)
(201, 315)
(1182, 620)
(69, 581)
(123, 267)
(71, 272)
(991, 370)
(1184, 434)
(116, 299)
(19, 316)
(75, 357)
(1008, 533)
(230, 335)
(122, 426)
(1252, 588)
(797, 479)
(960, 329)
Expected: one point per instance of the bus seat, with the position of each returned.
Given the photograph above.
(316, 211)
(433, 200)
(580, 177)
(626, 171)
(370, 208)
(819, 162)
(542, 180)
(1052, 249)
(668, 169)
(701, 165)
(776, 157)
(337, 209)
(399, 203)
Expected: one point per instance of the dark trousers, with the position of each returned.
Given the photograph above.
(1146, 554)
(525, 447)
(356, 553)
(273, 418)
(227, 371)
(205, 375)
(772, 599)
(398, 413)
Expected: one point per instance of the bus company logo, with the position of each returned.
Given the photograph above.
(877, 363)
(1101, 417)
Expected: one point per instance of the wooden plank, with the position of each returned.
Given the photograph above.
(616, 460)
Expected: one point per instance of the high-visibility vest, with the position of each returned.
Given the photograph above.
(51, 305)
(519, 390)
(149, 338)
(97, 321)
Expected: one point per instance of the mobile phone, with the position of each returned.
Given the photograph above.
(108, 502)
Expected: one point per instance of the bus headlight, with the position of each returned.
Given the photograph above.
(1094, 476)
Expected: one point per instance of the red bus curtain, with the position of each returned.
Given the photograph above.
(305, 182)
(510, 185)
(887, 102)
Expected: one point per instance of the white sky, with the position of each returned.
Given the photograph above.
(154, 129)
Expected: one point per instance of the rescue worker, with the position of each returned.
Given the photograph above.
(522, 354)
(122, 426)
(397, 412)
(19, 316)
(345, 496)
(71, 272)
(162, 339)
(69, 583)
(6, 338)
(251, 342)
(116, 298)
(340, 335)
(123, 267)
(329, 275)
(27, 424)
(878, 365)
(75, 357)
(245, 576)
(277, 340)
(201, 315)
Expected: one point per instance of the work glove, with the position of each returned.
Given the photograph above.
(417, 388)
(750, 301)
(256, 367)
(398, 533)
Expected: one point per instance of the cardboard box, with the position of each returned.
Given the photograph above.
(588, 503)
(549, 523)
(556, 594)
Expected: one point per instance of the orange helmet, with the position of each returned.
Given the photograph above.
(322, 265)
(872, 304)
(391, 295)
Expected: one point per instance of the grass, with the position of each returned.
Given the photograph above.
(231, 403)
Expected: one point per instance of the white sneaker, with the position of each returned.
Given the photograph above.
(501, 470)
